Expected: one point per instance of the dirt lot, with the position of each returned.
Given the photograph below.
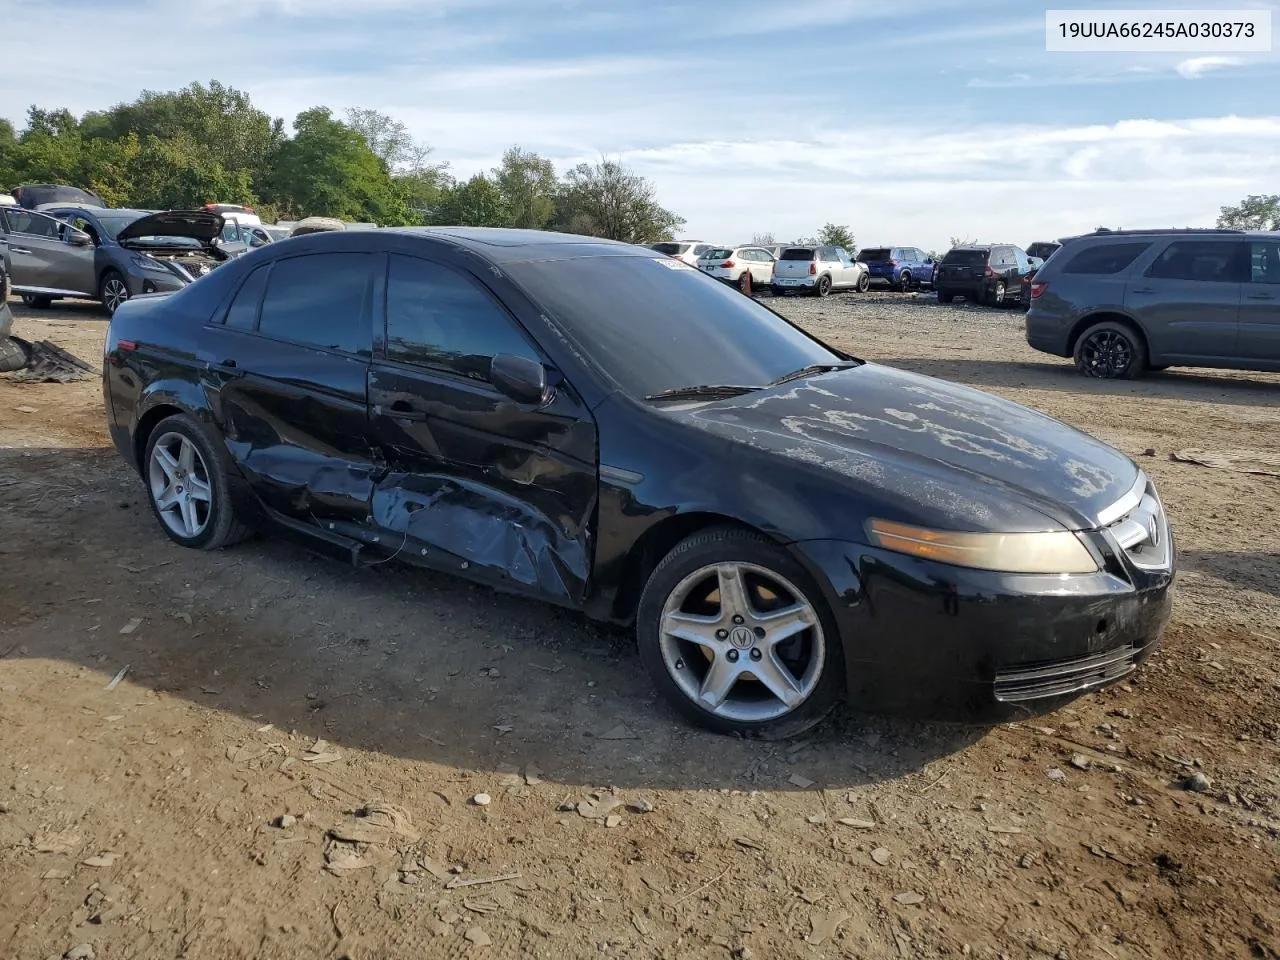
(140, 820)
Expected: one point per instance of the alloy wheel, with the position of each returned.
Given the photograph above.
(178, 479)
(1106, 354)
(742, 642)
(114, 293)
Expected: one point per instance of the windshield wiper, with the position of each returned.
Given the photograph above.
(814, 368)
(716, 391)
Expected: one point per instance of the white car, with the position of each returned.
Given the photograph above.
(818, 270)
(687, 250)
(734, 265)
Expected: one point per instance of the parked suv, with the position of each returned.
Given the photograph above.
(900, 267)
(1127, 301)
(741, 267)
(1042, 250)
(687, 250)
(818, 270)
(982, 273)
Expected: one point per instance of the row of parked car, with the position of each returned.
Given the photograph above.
(62, 241)
(988, 273)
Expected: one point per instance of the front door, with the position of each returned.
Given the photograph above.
(1188, 300)
(287, 367)
(1260, 306)
(504, 490)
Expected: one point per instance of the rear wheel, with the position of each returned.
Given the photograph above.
(946, 296)
(823, 287)
(744, 282)
(37, 302)
(996, 297)
(904, 281)
(1111, 351)
(187, 486)
(736, 635)
(112, 291)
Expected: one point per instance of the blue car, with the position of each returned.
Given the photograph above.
(902, 268)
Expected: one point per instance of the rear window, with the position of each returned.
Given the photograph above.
(966, 258)
(717, 254)
(671, 249)
(875, 253)
(1105, 259)
(797, 253)
(1042, 250)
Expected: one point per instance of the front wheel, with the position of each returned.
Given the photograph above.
(112, 291)
(823, 287)
(187, 486)
(37, 302)
(736, 636)
(864, 283)
(1111, 351)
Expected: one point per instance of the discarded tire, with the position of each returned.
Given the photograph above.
(13, 355)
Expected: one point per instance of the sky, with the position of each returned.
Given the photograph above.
(911, 122)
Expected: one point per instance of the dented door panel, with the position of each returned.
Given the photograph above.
(505, 487)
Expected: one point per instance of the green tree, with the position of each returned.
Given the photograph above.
(1254, 212)
(327, 169)
(177, 173)
(476, 203)
(527, 184)
(388, 138)
(836, 235)
(606, 199)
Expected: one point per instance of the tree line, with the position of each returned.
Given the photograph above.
(201, 144)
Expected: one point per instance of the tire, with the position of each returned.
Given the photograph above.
(864, 283)
(744, 283)
(996, 297)
(946, 296)
(809, 666)
(37, 302)
(1110, 351)
(112, 291)
(904, 281)
(13, 355)
(823, 287)
(220, 527)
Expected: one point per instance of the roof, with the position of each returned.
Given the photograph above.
(504, 245)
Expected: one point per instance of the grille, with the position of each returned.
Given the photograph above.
(1034, 681)
(1137, 526)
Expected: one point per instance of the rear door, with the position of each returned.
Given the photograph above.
(1260, 307)
(40, 259)
(1188, 299)
(760, 263)
(506, 490)
(287, 367)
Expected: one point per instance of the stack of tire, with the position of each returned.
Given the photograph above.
(13, 353)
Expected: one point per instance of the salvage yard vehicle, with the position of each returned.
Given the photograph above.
(1122, 302)
(742, 267)
(900, 267)
(35, 195)
(686, 251)
(817, 270)
(559, 416)
(982, 273)
(106, 254)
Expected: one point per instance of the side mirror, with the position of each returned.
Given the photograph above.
(521, 379)
(78, 238)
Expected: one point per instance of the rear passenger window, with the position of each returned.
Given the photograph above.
(1106, 258)
(321, 299)
(1264, 262)
(243, 312)
(1203, 260)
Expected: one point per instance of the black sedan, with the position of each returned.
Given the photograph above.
(603, 427)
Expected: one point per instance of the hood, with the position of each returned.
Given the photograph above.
(939, 450)
(199, 225)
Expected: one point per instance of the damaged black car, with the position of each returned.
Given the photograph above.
(605, 428)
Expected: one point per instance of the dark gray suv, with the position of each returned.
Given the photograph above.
(1124, 302)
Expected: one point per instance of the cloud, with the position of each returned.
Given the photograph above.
(1199, 66)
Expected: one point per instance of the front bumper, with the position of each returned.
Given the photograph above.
(929, 639)
(153, 281)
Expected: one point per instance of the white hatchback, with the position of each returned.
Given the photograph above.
(743, 267)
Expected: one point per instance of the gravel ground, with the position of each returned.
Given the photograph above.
(141, 817)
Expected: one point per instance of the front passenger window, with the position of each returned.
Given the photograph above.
(438, 317)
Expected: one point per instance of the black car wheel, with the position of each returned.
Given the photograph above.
(904, 281)
(187, 486)
(996, 297)
(1111, 351)
(736, 635)
(112, 291)
(37, 302)
(823, 287)
(744, 282)
(945, 295)
(864, 283)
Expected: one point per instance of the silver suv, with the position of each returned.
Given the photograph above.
(817, 270)
(1123, 302)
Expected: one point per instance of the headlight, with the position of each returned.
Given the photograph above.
(1053, 551)
(147, 263)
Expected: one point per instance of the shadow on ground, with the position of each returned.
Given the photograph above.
(387, 659)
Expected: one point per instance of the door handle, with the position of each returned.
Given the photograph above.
(400, 411)
(1259, 296)
(18, 249)
(1146, 290)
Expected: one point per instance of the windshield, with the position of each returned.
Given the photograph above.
(967, 258)
(875, 253)
(797, 253)
(671, 249)
(656, 325)
(113, 224)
